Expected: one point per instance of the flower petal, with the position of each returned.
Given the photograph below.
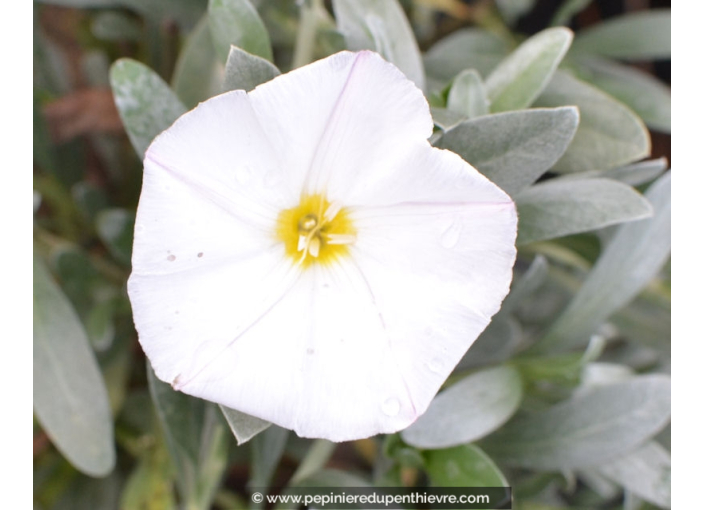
(439, 261)
(319, 364)
(221, 151)
(340, 119)
(205, 261)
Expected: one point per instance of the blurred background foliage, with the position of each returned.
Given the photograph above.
(565, 397)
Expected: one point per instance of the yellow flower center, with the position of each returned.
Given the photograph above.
(315, 231)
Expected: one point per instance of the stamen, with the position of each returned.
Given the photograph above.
(315, 231)
(332, 211)
(340, 238)
(314, 246)
(302, 242)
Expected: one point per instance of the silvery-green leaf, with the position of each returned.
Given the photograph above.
(520, 78)
(643, 35)
(638, 173)
(245, 71)
(115, 228)
(594, 374)
(609, 133)
(567, 10)
(640, 91)
(315, 460)
(557, 208)
(588, 429)
(513, 149)
(633, 175)
(645, 472)
(243, 426)
(566, 368)
(496, 343)
(236, 22)
(467, 95)
(146, 104)
(647, 322)
(198, 72)
(632, 258)
(196, 439)
(462, 466)
(467, 410)
(70, 399)
(469, 48)
(446, 119)
(528, 283)
(267, 449)
(383, 27)
(511, 10)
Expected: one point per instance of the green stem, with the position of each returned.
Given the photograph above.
(307, 30)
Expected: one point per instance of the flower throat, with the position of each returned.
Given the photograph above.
(315, 231)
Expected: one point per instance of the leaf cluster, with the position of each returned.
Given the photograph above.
(565, 396)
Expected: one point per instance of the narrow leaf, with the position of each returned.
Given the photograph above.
(236, 22)
(645, 472)
(562, 207)
(469, 48)
(632, 258)
(520, 78)
(198, 72)
(383, 27)
(635, 174)
(641, 35)
(146, 104)
(468, 410)
(267, 449)
(463, 466)
(318, 455)
(467, 95)
(496, 343)
(196, 439)
(594, 426)
(245, 71)
(242, 425)
(567, 10)
(609, 133)
(70, 398)
(527, 284)
(638, 173)
(513, 149)
(446, 119)
(640, 91)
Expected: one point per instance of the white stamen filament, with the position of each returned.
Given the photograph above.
(332, 211)
(340, 238)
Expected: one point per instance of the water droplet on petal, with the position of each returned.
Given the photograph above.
(391, 407)
(451, 235)
(310, 351)
(435, 365)
(171, 258)
(139, 228)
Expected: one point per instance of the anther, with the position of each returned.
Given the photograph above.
(307, 223)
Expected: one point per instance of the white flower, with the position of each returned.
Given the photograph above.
(303, 255)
